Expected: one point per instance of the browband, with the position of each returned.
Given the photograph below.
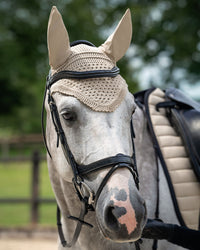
(67, 74)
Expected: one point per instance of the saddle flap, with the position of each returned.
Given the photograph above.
(187, 125)
(178, 96)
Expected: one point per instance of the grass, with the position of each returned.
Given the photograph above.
(15, 182)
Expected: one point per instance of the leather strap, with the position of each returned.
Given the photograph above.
(77, 231)
(104, 163)
(108, 175)
(66, 74)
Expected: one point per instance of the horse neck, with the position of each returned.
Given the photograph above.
(146, 161)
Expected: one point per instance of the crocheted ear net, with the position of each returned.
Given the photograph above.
(103, 94)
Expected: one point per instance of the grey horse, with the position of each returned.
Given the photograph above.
(95, 117)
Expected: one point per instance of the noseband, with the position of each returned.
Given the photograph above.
(88, 200)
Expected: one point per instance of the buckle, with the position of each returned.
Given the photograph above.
(84, 191)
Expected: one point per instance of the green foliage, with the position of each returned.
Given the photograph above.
(171, 40)
(166, 35)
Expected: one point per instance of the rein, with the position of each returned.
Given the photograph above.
(89, 200)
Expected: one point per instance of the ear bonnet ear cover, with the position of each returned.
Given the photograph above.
(103, 94)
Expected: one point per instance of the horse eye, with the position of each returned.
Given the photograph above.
(69, 115)
(133, 111)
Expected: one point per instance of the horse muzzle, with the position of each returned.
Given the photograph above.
(121, 211)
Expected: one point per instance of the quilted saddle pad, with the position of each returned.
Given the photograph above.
(184, 181)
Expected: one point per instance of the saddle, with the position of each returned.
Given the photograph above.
(174, 124)
(184, 115)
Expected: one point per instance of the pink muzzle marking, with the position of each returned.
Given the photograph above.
(128, 219)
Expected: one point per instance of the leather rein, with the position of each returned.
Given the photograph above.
(86, 196)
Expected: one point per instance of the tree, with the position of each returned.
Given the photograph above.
(165, 38)
(170, 40)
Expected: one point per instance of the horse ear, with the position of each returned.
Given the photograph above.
(57, 39)
(119, 41)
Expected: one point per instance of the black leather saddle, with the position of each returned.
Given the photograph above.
(184, 115)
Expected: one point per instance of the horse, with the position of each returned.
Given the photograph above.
(94, 131)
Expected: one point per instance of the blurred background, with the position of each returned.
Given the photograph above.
(165, 51)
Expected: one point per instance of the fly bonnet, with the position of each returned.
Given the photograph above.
(103, 94)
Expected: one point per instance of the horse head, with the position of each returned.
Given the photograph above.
(92, 121)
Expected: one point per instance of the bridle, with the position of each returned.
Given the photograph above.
(86, 196)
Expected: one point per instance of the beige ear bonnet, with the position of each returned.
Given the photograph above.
(103, 94)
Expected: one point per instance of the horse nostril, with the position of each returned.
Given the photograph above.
(111, 219)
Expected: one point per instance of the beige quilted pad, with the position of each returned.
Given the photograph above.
(186, 185)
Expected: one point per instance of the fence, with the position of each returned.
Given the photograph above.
(19, 143)
(36, 158)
